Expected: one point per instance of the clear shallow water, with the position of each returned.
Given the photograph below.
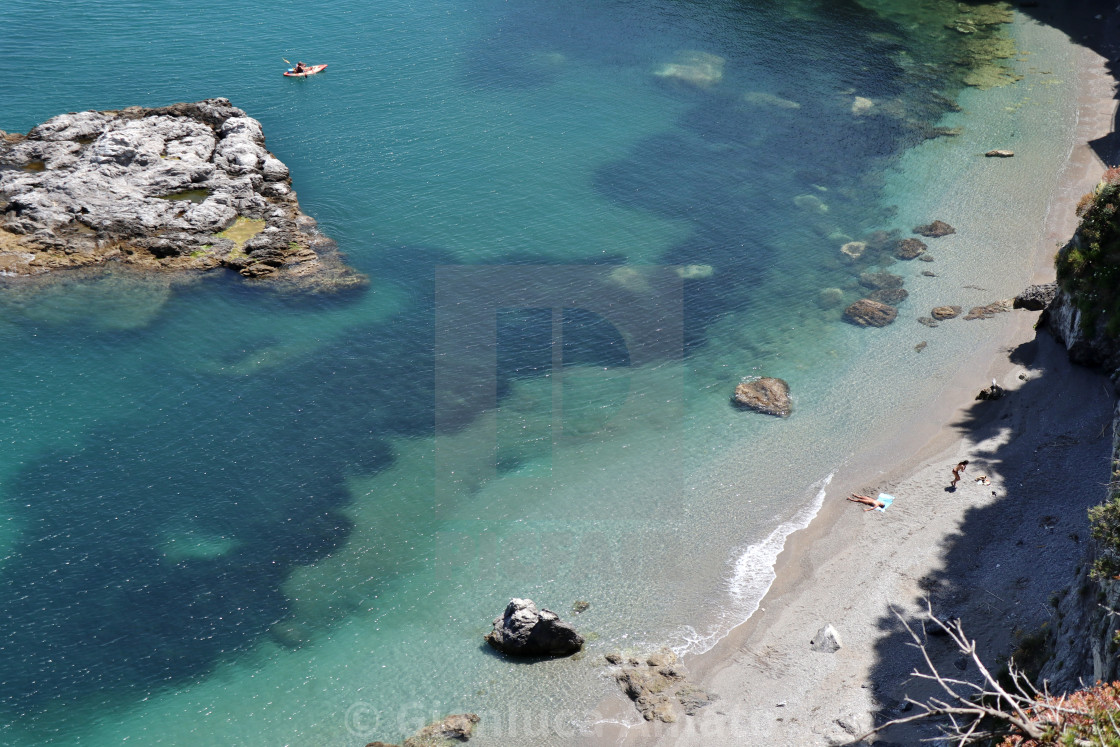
(242, 519)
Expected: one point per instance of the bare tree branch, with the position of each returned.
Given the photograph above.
(1023, 709)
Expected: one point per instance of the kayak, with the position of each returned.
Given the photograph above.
(311, 70)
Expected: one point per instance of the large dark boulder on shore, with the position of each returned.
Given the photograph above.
(177, 189)
(767, 395)
(525, 631)
(1036, 297)
(868, 313)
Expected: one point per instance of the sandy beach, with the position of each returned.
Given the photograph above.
(993, 555)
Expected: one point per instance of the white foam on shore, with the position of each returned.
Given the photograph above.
(750, 578)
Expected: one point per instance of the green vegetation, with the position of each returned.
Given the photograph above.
(1104, 525)
(1088, 267)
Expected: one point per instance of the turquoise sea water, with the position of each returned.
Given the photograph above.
(235, 518)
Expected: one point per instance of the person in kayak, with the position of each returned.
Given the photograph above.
(300, 68)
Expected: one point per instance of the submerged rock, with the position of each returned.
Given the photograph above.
(700, 69)
(656, 683)
(810, 203)
(154, 189)
(909, 248)
(761, 98)
(987, 312)
(862, 105)
(945, 312)
(830, 298)
(525, 631)
(889, 296)
(868, 313)
(854, 249)
(767, 395)
(935, 230)
(457, 727)
(695, 272)
(880, 280)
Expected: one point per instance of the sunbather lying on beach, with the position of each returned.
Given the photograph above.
(874, 503)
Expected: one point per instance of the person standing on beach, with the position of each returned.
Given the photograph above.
(957, 473)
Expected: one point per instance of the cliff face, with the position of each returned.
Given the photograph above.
(1083, 639)
(1092, 347)
(1085, 317)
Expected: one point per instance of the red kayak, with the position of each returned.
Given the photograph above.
(310, 70)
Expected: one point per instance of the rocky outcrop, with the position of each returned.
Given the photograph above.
(525, 631)
(1036, 297)
(868, 313)
(1087, 345)
(935, 230)
(454, 729)
(182, 188)
(657, 684)
(767, 395)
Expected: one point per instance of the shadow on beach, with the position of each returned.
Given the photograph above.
(1046, 447)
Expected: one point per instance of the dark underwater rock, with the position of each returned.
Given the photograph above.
(988, 311)
(935, 230)
(868, 313)
(942, 313)
(457, 727)
(880, 280)
(909, 248)
(889, 296)
(767, 395)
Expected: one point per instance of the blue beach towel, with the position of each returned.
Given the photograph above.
(887, 501)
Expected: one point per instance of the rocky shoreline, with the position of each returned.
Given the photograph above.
(184, 188)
